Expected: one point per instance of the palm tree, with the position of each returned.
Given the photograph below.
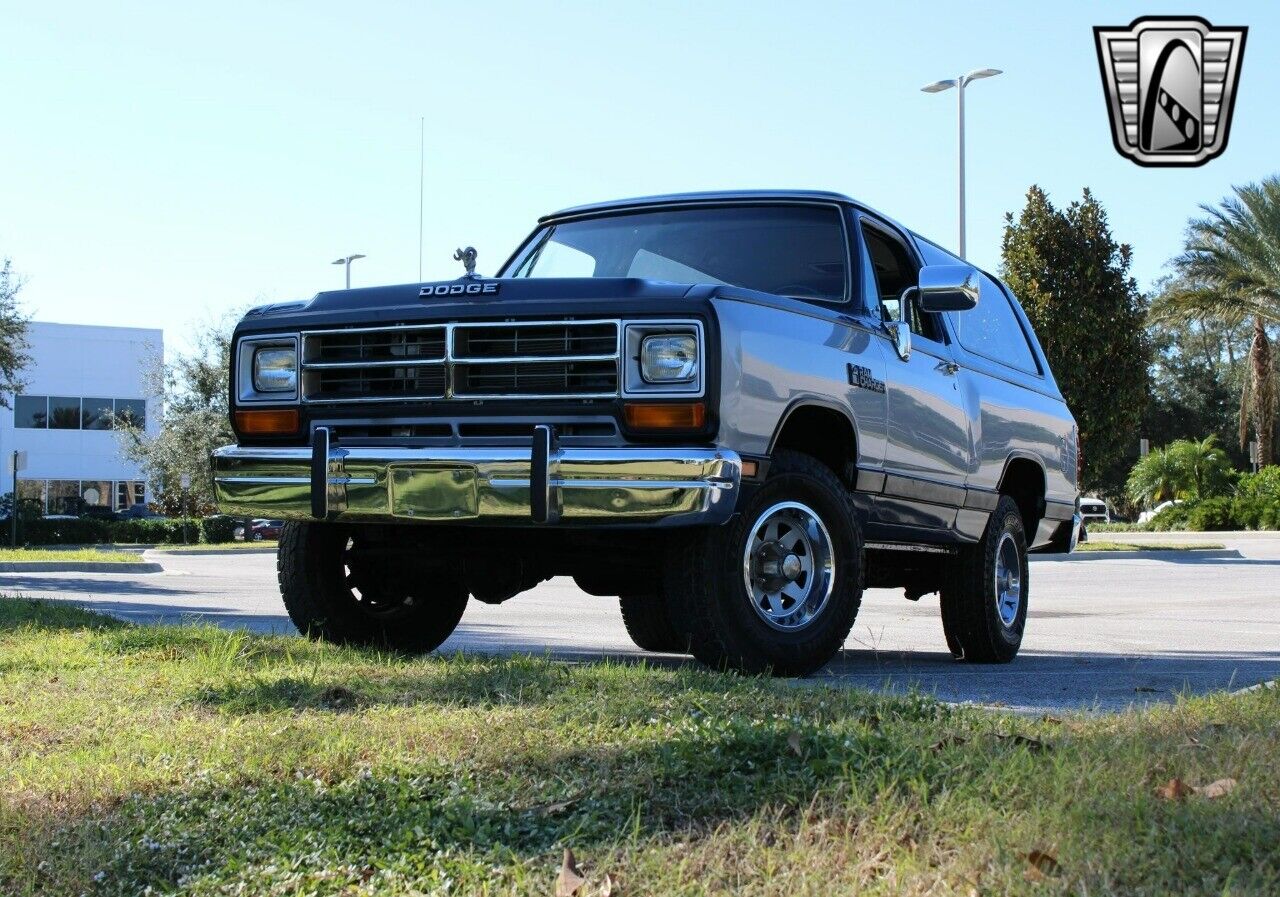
(1157, 477)
(1230, 270)
(1205, 469)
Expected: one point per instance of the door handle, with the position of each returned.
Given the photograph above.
(948, 367)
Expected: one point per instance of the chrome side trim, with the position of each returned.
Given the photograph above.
(908, 546)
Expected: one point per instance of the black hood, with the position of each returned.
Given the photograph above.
(468, 299)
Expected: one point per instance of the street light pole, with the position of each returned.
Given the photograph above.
(960, 84)
(347, 260)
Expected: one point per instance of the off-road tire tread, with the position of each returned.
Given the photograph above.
(315, 600)
(969, 619)
(698, 564)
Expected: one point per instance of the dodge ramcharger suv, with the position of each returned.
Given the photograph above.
(733, 412)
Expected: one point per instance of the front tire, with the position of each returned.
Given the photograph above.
(777, 588)
(984, 607)
(335, 590)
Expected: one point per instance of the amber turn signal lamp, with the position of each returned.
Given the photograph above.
(267, 422)
(750, 468)
(681, 416)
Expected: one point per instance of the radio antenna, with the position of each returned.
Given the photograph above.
(422, 156)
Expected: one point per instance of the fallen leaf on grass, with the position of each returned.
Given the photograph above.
(556, 806)
(1174, 789)
(1220, 788)
(1041, 864)
(610, 887)
(1035, 745)
(570, 880)
(793, 742)
(949, 741)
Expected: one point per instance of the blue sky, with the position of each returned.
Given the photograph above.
(164, 162)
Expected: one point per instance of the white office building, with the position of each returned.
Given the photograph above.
(81, 380)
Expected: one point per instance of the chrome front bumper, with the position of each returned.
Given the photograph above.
(499, 485)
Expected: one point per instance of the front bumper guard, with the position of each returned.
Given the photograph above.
(500, 485)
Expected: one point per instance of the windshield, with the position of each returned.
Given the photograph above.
(797, 251)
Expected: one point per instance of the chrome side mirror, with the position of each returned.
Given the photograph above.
(948, 288)
(900, 333)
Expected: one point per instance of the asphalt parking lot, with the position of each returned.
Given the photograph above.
(1105, 631)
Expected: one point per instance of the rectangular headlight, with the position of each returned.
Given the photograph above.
(669, 358)
(275, 369)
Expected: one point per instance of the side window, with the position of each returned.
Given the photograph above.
(893, 272)
(992, 330)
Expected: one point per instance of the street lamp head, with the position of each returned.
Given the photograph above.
(338, 262)
(939, 86)
(981, 73)
(356, 256)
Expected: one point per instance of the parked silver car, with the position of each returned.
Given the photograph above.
(732, 411)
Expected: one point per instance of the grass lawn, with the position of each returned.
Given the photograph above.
(17, 555)
(197, 761)
(1148, 546)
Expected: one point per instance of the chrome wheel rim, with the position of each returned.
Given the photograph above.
(1008, 580)
(788, 566)
(366, 592)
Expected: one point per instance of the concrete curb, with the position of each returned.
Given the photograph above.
(78, 567)
(1261, 686)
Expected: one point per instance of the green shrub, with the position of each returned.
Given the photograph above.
(153, 531)
(217, 530)
(1172, 517)
(77, 531)
(1264, 484)
(1211, 514)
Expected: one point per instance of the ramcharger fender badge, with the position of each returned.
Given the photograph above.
(471, 288)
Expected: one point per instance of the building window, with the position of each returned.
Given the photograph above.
(132, 412)
(72, 413)
(63, 497)
(78, 496)
(64, 413)
(96, 493)
(31, 492)
(129, 494)
(31, 412)
(97, 414)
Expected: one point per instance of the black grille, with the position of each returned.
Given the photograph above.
(552, 378)
(407, 382)
(535, 341)
(538, 358)
(378, 345)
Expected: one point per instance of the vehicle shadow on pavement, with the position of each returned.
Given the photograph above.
(1054, 680)
(1209, 558)
(11, 583)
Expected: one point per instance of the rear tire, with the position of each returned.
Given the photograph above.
(334, 593)
(650, 626)
(777, 588)
(984, 606)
